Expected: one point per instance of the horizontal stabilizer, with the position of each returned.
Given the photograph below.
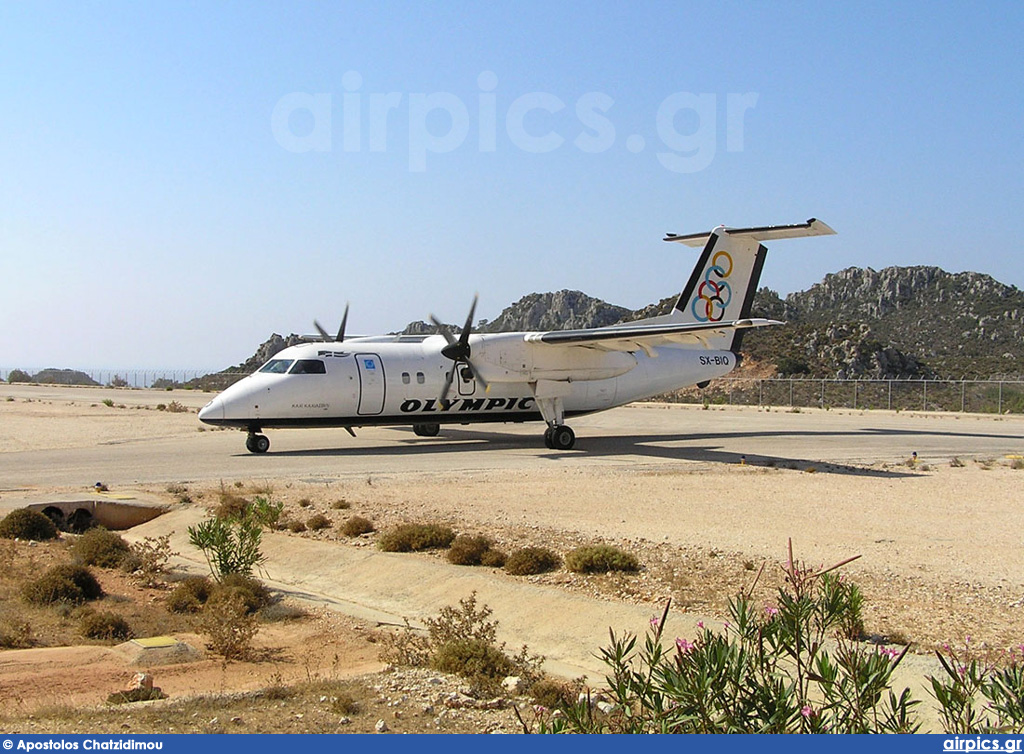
(812, 227)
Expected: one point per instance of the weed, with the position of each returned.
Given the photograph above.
(108, 402)
(148, 558)
(305, 502)
(23, 523)
(530, 560)
(415, 538)
(600, 559)
(356, 525)
(956, 463)
(105, 625)
(296, 527)
(553, 694)
(15, 631)
(71, 584)
(176, 408)
(493, 558)
(100, 547)
(229, 627)
(318, 522)
(341, 505)
(1017, 464)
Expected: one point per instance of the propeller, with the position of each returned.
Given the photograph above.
(459, 350)
(340, 337)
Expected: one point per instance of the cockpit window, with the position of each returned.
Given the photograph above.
(308, 366)
(276, 366)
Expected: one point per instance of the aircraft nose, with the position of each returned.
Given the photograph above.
(212, 411)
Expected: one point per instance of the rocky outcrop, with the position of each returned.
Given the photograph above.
(562, 310)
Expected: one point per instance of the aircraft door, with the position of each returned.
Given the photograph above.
(371, 384)
(466, 380)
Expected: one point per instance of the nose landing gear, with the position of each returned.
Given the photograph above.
(257, 443)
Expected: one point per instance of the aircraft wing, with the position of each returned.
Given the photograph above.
(641, 337)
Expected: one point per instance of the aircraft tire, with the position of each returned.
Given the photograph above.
(547, 439)
(257, 443)
(562, 438)
(426, 430)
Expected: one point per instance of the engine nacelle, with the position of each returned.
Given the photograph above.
(510, 358)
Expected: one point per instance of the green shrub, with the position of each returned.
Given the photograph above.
(553, 694)
(484, 664)
(530, 560)
(356, 526)
(23, 523)
(468, 550)
(105, 625)
(416, 537)
(600, 559)
(493, 558)
(318, 522)
(190, 595)
(99, 547)
(249, 591)
(67, 583)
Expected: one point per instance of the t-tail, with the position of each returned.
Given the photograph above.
(725, 279)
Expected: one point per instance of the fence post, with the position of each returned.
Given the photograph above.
(924, 399)
(823, 394)
(890, 394)
(791, 392)
(963, 396)
(760, 386)
(1000, 411)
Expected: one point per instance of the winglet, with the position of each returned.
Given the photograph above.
(812, 227)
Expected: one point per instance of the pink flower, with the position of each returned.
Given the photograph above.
(890, 652)
(771, 611)
(806, 711)
(684, 646)
(655, 622)
(700, 624)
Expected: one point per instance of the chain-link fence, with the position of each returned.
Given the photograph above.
(194, 379)
(976, 396)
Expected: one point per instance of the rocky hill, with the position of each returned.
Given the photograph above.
(899, 322)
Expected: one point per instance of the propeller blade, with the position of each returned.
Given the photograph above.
(443, 329)
(479, 377)
(468, 327)
(449, 376)
(322, 331)
(341, 330)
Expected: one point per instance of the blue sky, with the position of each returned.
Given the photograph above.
(179, 180)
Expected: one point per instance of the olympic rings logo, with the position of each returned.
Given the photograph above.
(713, 296)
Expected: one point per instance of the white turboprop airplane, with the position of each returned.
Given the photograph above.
(430, 380)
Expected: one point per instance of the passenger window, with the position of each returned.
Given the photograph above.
(309, 366)
(276, 366)
(420, 378)
(405, 378)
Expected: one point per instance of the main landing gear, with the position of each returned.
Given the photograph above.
(257, 443)
(426, 430)
(559, 437)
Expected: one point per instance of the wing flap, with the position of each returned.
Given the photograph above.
(641, 337)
